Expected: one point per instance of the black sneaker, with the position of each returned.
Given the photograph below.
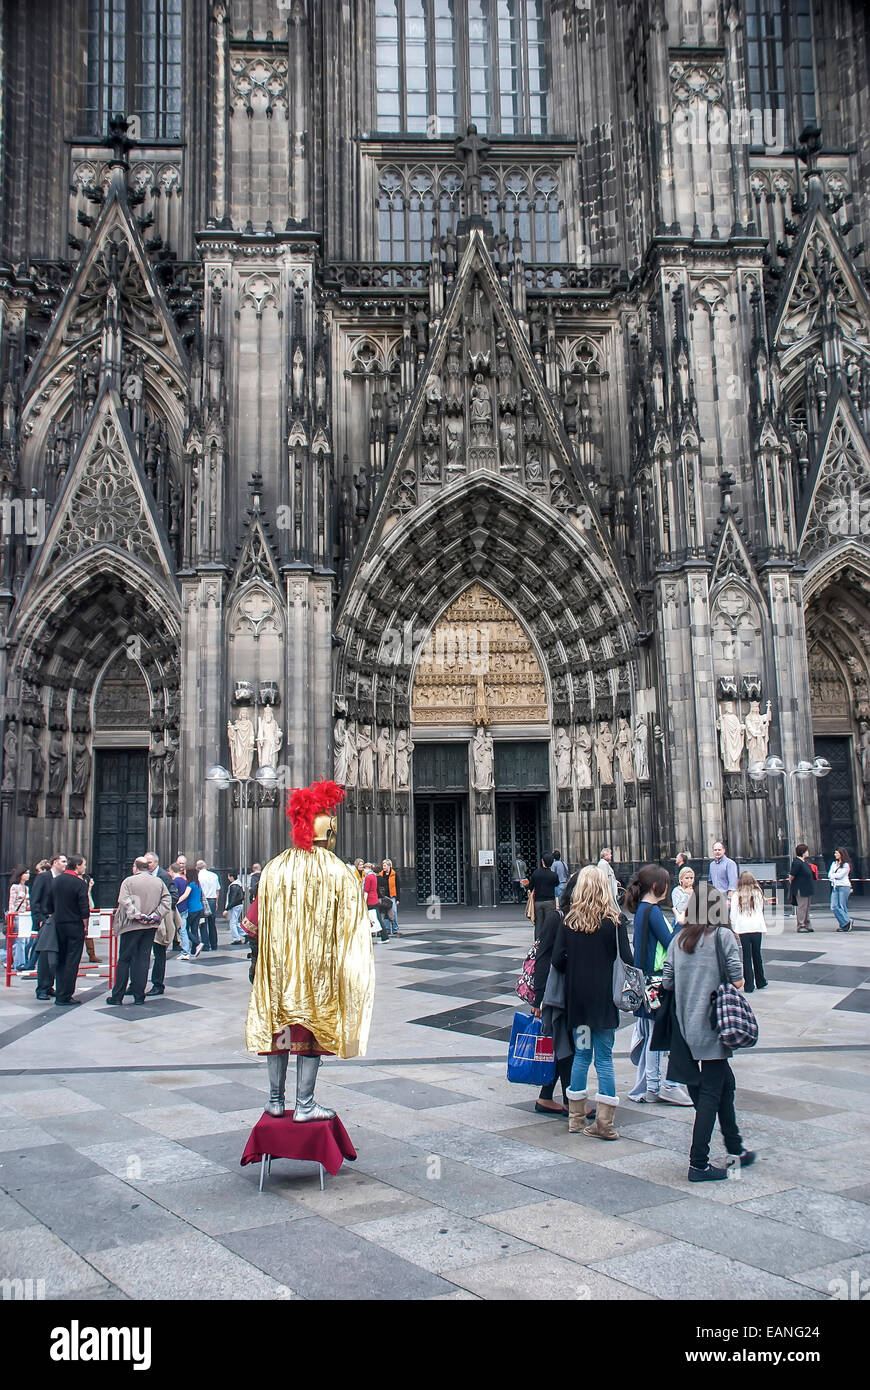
(746, 1158)
(708, 1174)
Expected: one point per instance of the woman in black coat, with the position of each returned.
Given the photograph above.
(585, 949)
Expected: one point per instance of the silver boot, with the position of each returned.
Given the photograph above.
(276, 1064)
(306, 1078)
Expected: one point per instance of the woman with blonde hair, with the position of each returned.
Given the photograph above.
(748, 925)
(681, 895)
(584, 951)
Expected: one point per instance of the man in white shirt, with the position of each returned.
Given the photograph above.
(211, 888)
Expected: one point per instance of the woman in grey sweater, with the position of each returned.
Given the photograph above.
(692, 971)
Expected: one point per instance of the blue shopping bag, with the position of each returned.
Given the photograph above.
(531, 1059)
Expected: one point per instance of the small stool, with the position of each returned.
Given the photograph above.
(324, 1142)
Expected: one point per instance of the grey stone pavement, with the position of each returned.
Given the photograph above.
(122, 1132)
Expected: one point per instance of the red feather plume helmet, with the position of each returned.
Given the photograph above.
(304, 804)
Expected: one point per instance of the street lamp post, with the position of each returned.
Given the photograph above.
(266, 776)
(775, 767)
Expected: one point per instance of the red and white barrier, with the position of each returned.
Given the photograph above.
(19, 925)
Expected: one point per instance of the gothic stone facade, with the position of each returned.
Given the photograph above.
(510, 467)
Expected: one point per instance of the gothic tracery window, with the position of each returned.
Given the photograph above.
(443, 63)
(133, 57)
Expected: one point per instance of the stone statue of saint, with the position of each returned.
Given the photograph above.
(563, 758)
(386, 760)
(482, 752)
(171, 765)
(241, 737)
(865, 753)
(731, 737)
(270, 736)
(37, 768)
(352, 756)
(481, 408)
(339, 752)
(641, 749)
(57, 769)
(404, 749)
(366, 751)
(156, 762)
(583, 757)
(624, 746)
(10, 759)
(81, 766)
(604, 746)
(757, 726)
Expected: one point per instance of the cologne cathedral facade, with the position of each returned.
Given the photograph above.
(469, 399)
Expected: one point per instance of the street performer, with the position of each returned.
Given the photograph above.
(314, 985)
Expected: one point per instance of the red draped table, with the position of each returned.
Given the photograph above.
(325, 1142)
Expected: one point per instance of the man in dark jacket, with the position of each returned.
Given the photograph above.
(803, 882)
(67, 899)
(46, 960)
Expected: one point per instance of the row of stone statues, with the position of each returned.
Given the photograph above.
(269, 740)
(24, 764)
(355, 749)
(753, 732)
(574, 756)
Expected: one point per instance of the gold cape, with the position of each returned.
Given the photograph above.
(315, 964)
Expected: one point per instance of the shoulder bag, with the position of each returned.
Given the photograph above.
(730, 1015)
(525, 985)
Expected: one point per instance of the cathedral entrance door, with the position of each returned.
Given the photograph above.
(518, 835)
(440, 849)
(836, 798)
(120, 819)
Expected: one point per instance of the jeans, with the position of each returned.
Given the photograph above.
(394, 925)
(193, 924)
(182, 933)
(234, 915)
(649, 1066)
(602, 1051)
(209, 925)
(839, 899)
(753, 966)
(714, 1096)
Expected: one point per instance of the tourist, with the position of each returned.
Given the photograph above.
(560, 871)
(373, 899)
(47, 942)
(544, 884)
(692, 972)
(519, 878)
(646, 891)
(388, 889)
(196, 929)
(359, 868)
(67, 900)
(803, 885)
(256, 870)
(681, 895)
(605, 864)
(182, 907)
(840, 879)
(748, 925)
(164, 937)
(584, 951)
(144, 902)
(235, 903)
(19, 901)
(210, 884)
(723, 871)
(545, 1104)
(681, 861)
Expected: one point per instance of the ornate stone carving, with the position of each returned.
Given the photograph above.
(366, 754)
(624, 746)
(478, 643)
(404, 749)
(482, 756)
(604, 746)
(582, 757)
(641, 749)
(562, 751)
(386, 759)
(10, 759)
(270, 737)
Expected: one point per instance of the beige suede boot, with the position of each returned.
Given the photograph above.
(576, 1110)
(603, 1126)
